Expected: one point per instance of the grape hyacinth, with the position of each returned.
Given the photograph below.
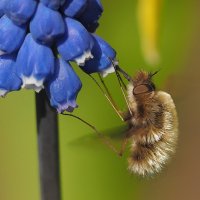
(39, 39)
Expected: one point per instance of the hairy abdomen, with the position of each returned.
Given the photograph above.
(155, 137)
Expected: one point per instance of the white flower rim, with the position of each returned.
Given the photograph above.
(32, 83)
(87, 55)
(3, 92)
(2, 52)
(107, 71)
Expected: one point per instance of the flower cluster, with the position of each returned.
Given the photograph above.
(39, 39)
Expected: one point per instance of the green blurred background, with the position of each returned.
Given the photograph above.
(89, 170)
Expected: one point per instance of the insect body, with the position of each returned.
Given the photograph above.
(151, 119)
(153, 125)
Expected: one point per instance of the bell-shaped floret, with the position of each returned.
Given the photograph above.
(76, 44)
(53, 4)
(63, 87)
(35, 63)
(89, 18)
(103, 55)
(2, 6)
(11, 35)
(20, 11)
(9, 81)
(73, 8)
(46, 25)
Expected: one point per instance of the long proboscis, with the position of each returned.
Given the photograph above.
(118, 68)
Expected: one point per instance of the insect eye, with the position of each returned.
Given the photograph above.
(140, 89)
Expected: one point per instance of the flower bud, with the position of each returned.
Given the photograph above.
(2, 7)
(20, 11)
(73, 8)
(53, 4)
(48, 27)
(103, 54)
(8, 78)
(35, 63)
(76, 44)
(63, 87)
(89, 18)
(8, 32)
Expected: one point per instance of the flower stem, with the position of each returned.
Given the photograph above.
(47, 128)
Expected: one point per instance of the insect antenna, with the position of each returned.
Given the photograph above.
(121, 80)
(153, 74)
(105, 140)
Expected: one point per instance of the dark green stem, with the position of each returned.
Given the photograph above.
(47, 128)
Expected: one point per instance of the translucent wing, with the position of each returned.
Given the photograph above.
(115, 134)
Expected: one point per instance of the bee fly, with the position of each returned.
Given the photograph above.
(151, 118)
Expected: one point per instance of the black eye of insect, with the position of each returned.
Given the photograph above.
(143, 88)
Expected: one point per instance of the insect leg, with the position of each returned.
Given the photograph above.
(123, 146)
(106, 140)
(123, 90)
(123, 84)
(108, 97)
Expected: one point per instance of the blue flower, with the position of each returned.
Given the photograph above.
(35, 62)
(73, 8)
(53, 4)
(20, 11)
(15, 33)
(76, 44)
(2, 6)
(103, 54)
(63, 87)
(48, 27)
(8, 78)
(91, 15)
(39, 39)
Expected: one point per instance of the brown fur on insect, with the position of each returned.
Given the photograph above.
(152, 121)
(153, 125)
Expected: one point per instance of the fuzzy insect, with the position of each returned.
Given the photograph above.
(151, 119)
(153, 125)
